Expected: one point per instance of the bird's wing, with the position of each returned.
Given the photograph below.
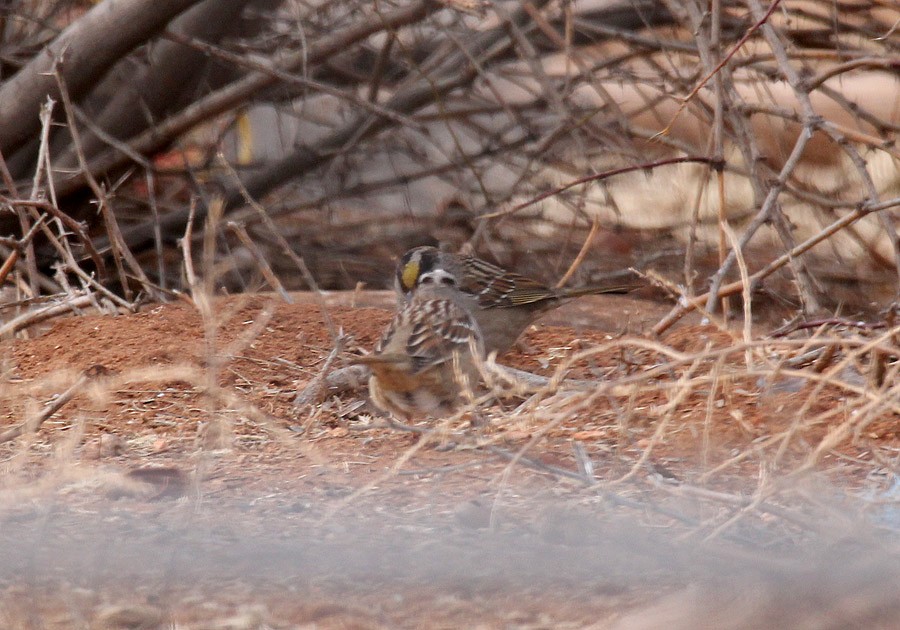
(494, 286)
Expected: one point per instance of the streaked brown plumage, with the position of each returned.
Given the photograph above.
(426, 357)
(503, 302)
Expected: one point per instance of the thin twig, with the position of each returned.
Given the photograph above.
(33, 424)
(749, 33)
(592, 178)
(117, 243)
(736, 287)
(312, 392)
(581, 254)
(291, 79)
(265, 268)
(19, 246)
(236, 93)
(286, 249)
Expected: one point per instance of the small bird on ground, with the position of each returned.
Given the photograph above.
(428, 354)
(503, 303)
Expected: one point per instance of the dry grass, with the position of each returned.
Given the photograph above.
(710, 442)
(611, 478)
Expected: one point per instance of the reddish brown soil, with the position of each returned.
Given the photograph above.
(237, 462)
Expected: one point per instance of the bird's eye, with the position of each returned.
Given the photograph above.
(447, 280)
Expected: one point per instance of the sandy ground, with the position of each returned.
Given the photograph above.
(182, 487)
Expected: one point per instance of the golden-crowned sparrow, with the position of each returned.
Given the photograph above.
(426, 357)
(503, 303)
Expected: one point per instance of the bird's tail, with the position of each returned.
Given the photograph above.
(379, 359)
(616, 289)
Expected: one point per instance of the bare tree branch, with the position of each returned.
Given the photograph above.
(171, 70)
(85, 51)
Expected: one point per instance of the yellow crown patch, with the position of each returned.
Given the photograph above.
(410, 275)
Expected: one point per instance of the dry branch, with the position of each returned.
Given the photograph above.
(528, 92)
(33, 424)
(735, 288)
(448, 73)
(18, 246)
(30, 318)
(239, 92)
(171, 70)
(83, 52)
